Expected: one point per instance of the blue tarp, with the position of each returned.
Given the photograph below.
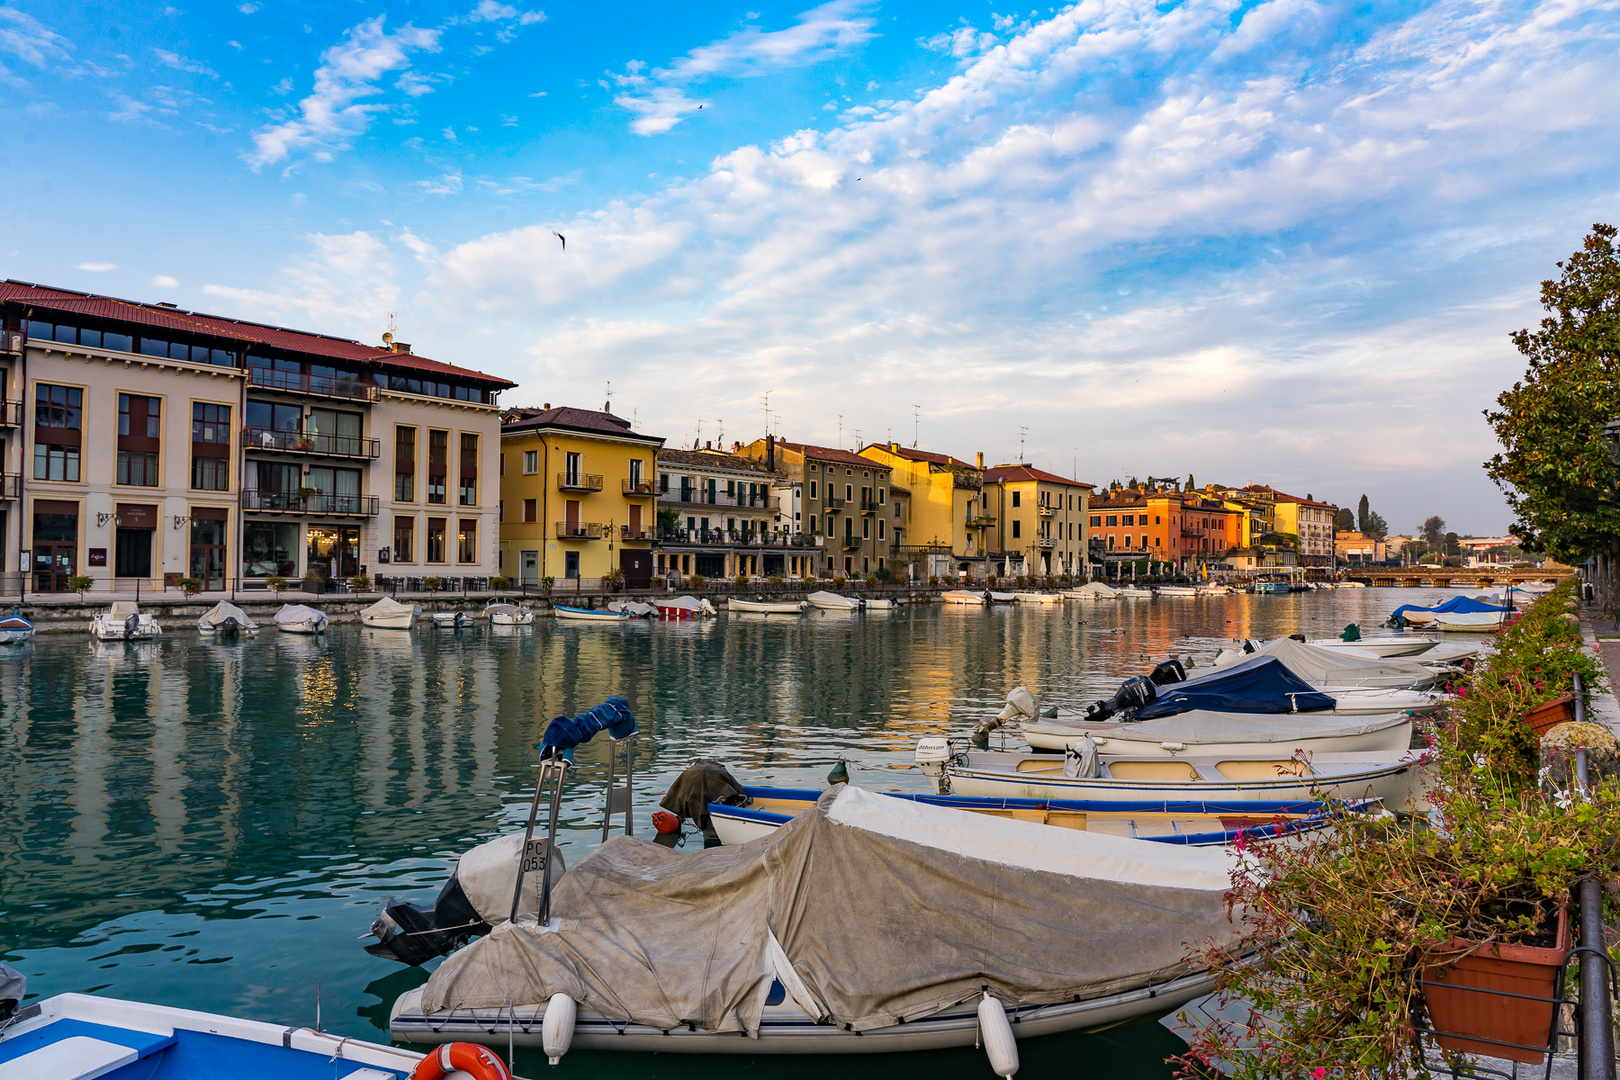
(564, 733)
(1457, 605)
(1261, 685)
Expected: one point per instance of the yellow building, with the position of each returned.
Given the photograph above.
(1040, 520)
(578, 492)
(946, 524)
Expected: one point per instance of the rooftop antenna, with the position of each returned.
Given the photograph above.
(1022, 431)
(721, 436)
(776, 423)
(857, 439)
(697, 439)
(840, 429)
(916, 424)
(765, 401)
(607, 406)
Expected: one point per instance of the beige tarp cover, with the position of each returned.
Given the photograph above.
(1326, 667)
(884, 910)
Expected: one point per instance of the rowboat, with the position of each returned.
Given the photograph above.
(1178, 590)
(14, 629)
(298, 619)
(1381, 646)
(1484, 622)
(124, 621)
(1203, 732)
(1093, 590)
(390, 614)
(1393, 778)
(588, 614)
(1193, 824)
(508, 615)
(1038, 598)
(226, 619)
(768, 607)
(827, 601)
(963, 597)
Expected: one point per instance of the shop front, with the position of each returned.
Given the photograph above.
(208, 531)
(136, 524)
(55, 544)
(270, 549)
(333, 552)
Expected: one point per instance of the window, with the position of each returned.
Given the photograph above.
(1130, 519)
(404, 464)
(404, 539)
(435, 540)
(1017, 527)
(139, 422)
(812, 489)
(663, 483)
(866, 528)
(531, 511)
(531, 462)
(467, 540)
(1155, 519)
(880, 528)
(812, 523)
(849, 490)
(1113, 519)
(572, 466)
(637, 472)
(1096, 521)
(269, 549)
(1017, 498)
(210, 446)
(58, 419)
(883, 496)
(438, 469)
(468, 492)
(1144, 543)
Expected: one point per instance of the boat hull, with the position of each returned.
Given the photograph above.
(1117, 739)
(587, 615)
(303, 626)
(767, 607)
(1385, 647)
(525, 619)
(389, 622)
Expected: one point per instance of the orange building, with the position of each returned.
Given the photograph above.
(1163, 525)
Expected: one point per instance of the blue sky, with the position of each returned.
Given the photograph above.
(1279, 241)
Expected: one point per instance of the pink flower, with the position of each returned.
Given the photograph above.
(1318, 1073)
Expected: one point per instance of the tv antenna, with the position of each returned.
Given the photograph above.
(916, 424)
(765, 402)
(840, 430)
(1022, 431)
(607, 406)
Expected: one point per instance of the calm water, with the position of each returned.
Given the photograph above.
(211, 825)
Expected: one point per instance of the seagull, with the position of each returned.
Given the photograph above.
(561, 237)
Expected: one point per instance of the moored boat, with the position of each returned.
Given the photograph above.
(298, 619)
(1000, 597)
(1038, 598)
(1383, 645)
(14, 629)
(683, 607)
(1177, 590)
(124, 621)
(1134, 592)
(767, 607)
(574, 614)
(390, 614)
(1206, 733)
(451, 620)
(1092, 590)
(1484, 622)
(226, 620)
(508, 615)
(881, 604)
(828, 601)
(964, 598)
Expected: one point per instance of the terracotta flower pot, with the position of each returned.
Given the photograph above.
(1543, 718)
(1466, 1002)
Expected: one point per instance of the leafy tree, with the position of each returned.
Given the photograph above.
(1344, 520)
(1433, 531)
(1376, 526)
(1361, 514)
(1555, 469)
(1453, 544)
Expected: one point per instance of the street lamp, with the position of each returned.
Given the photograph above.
(1611, 435)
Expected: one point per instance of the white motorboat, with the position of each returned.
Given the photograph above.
(768, 607)
(1092, 590)
(684, 607)
(1088, 933)
(390, 614)
(1038, 598)
(881, 604)
(1215, 590)
(575, 614)
(1135, 592)
(1351, 585)
(1331, 671)
(1394, 778)
(14, 629)
(1380, 646)
(226, 620)
(1206, 733)
(963, 597)
(1178, 590)
(124, 621)
(1001, 597)
(298, 619)
(451, 620)
(508, 615)
(1482, 622)
(828, 601)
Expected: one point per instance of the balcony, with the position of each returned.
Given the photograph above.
(870, 506)
(982, 521)
(11, 413)
(310, 443)
(852, 543)
(579, 481)
(638, 487)
(10, 486)
(293, 382)
(700, 497)
(835, 505)
(581, 530)
(638, 535)
(320, 504)
(736, 538)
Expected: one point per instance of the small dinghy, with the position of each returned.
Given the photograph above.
(508, 615)
(14, 629)
(451, 620)
(1092, 590)
(1088, 934)
(1038, 598)
(298, 619)
(964, 598)
(1177, 590)
(768, 607)
(390, 614)
(124, 621)
(579, 614)
(1190, 824)
(635, 609)
(828, 601)
(226, 620)
(1482, 622)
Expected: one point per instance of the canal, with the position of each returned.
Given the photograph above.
(212, 824)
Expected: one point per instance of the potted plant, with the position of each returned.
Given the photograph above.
(499, 584)
(546, 583)
(776, 581)
(838, 582)
(612, 581)
(275, 584)
(657, 583)
(1480, 995)
(697, 581)
(81, 585)
(742, 582)
(933, 581)
(189, 586)
(432, 584)
(871, 581)
(359, 583)
(1543, 718)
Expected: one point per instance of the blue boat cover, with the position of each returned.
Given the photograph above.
(1259, 685)
(564, 733)
(1457, 605)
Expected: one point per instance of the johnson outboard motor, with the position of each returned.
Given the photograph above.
(1167, 672)
(229, 627)
(414, 934)
(1132, 694)
(131, 624)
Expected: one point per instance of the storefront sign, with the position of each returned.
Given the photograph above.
(382, 555)
(136, 516)
(98, 556)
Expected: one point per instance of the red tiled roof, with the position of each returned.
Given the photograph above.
(44, 299)
(705, 459)
(589, 420)
(911, 453)
(827, 453)
(1025, 473)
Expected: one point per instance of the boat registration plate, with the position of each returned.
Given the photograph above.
(534, 854)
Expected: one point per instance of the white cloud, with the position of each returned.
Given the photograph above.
(181, 63)
(248, 8)
(448, 184)
(658, 99)
(97, 267)
(164, 281)
(31, 41)
(493, 11)
(344, 285)
(333, 116)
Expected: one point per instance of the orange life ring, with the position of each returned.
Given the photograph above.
(470, 1058)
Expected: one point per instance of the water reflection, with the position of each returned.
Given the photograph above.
(210, 823)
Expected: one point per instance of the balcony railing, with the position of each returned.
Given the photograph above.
(638, 487)
(1046, 542)
(627, 533)
(834, 505)
(579, 481)
(322, 504)
(738, 537)
(310, 442)
(982, 521)
(295, 382)
(10, 486)
(581, 530)
(1045, 510)
(870, 506)
(701, 497)
(11, 413)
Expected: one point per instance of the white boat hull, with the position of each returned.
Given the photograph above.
(1381, 646)
(1117, 739)
(785, 1029)
(525, 618)
(389, 622)
(582, 615)
(105, 628)
(768, 607)
(1038, 598)
(964, 598)
(15, 637)
(303, 626)
(843, 603)
(1177, 590)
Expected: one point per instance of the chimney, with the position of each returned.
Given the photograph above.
(401, 347)
(770, 452)
(547, 405)
(709, 445)
(894, 447)
(981, 459)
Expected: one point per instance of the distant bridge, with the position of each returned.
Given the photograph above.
(1416, 577)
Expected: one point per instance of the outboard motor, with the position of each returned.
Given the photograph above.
(1022, 704)
(13, 986)
(460, 619)
(1133, 693)
(414, 934)
(229, 626)
(1167, 672)
(131, 624)
(1298, 637)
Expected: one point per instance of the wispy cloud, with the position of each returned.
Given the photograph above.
(97, 267)
(493, 11)
(659, 100)
(330, 118)
(181, 63)
(27, 39)
(164, 281)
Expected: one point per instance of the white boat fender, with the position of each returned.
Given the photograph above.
(1173, 747)
(557, 1029)
(999, 1045)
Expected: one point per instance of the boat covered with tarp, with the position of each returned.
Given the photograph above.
(299, 619)
(1331, 671)
(1457, 605)
(390, 614)
(1260, 684)
(786, 942)
(1091, 590)
(227, 620)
